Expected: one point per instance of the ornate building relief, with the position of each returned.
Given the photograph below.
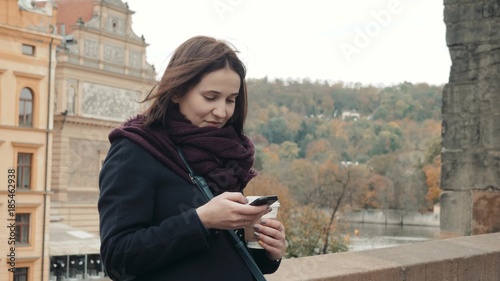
(114, 54)
(109, 103)
(71, 95)
(74, 48)
(91, 48)
(71, 101)
(134, 59)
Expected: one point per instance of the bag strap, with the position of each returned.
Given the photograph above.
(203, 186)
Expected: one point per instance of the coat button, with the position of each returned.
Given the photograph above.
(215, 232)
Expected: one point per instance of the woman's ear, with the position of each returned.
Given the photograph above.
(175, 99)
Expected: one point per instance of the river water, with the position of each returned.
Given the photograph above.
(365, 236)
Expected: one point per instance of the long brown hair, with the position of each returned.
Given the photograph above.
(191, 61)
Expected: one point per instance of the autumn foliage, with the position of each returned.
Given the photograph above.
(321, 164)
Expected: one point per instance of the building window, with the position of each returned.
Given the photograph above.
(58, 268)
(28, 50)
(76, 266)
(22, 229)
(24, 164)
(94, 266)
(73, 267)
(21, 274)
(26, 108)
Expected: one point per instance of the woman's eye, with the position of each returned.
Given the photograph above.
(209, 98)
(231, 101)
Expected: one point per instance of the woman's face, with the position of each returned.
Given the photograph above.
(212, 101)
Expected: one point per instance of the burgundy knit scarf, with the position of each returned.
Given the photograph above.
(221, 156)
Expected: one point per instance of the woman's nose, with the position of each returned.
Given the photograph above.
(220, 110)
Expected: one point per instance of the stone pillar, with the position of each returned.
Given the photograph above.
(470, 178)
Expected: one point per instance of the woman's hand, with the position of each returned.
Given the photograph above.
(271, 235)
(229, 211)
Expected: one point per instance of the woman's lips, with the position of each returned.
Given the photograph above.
(213, 124)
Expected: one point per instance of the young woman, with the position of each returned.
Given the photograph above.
(155, 223)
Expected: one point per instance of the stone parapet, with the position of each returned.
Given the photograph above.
(459, 259)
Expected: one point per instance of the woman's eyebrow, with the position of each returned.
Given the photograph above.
(219, 93)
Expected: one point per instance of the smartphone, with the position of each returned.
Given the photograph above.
(264, 200)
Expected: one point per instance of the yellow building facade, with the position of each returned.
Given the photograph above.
(70, 71)
(28, 44)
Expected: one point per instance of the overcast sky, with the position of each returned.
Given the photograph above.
(367, 41)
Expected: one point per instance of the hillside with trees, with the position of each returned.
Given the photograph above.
(331, 147)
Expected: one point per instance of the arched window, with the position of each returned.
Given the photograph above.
(26, 108)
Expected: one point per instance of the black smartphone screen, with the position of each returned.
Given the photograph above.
(264, 200)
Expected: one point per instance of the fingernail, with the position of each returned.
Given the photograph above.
(256, 234)
(269, 209)
(256, 226)
(263, 221)
(246, 200)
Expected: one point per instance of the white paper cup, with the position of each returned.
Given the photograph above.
(252, 240)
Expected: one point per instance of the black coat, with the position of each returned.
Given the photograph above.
(149, 227)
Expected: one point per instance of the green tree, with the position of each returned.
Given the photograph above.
(275, 130)
(289, 150)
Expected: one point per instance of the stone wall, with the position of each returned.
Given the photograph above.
(392, 217)
(460, 259)
(470, 202)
